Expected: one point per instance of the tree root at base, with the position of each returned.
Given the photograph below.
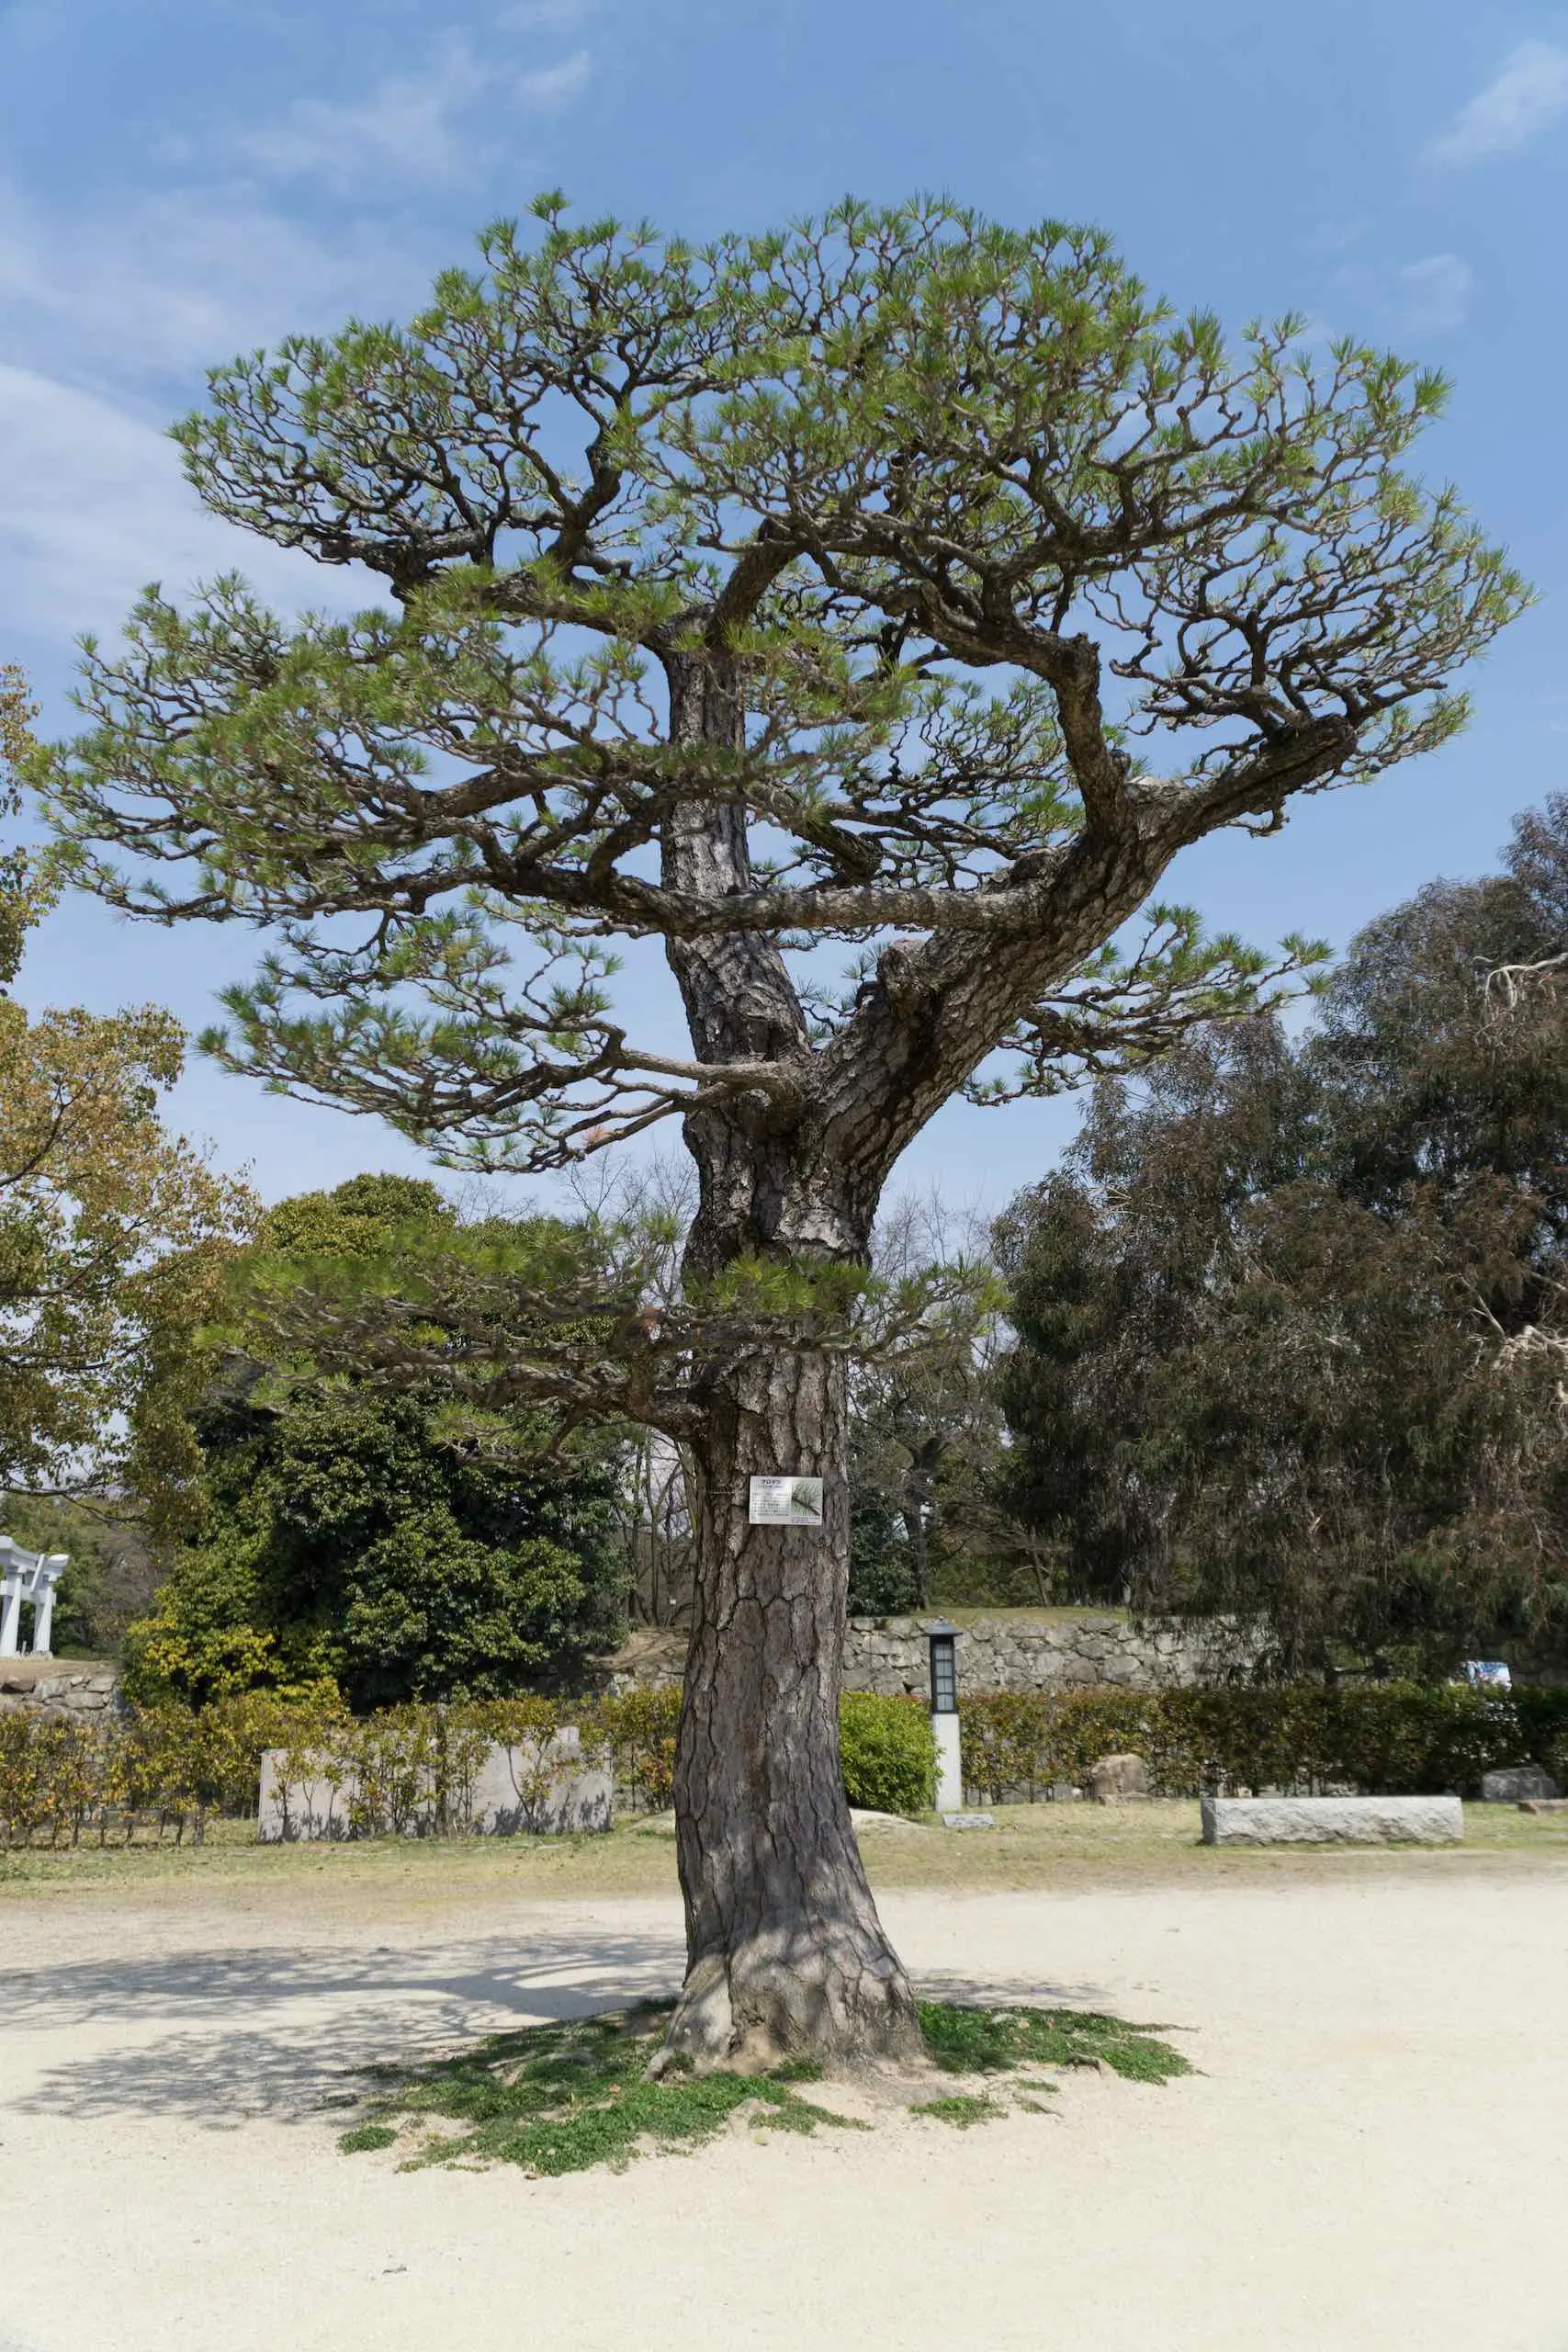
(750, 2012)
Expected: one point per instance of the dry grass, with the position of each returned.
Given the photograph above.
(1030, 1847)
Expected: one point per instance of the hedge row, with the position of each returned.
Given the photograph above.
(161, 1770)
(1381, 1738)
(164, 1769)
(156, 1768)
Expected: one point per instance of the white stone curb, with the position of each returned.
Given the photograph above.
(1333, 1821)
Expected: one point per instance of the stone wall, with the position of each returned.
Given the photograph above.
(78, 1689)
(1004, 1649)
(1012, 1650)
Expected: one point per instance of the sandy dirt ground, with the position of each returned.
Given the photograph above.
(1375, 2154)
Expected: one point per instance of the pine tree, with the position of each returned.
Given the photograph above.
(900, 579)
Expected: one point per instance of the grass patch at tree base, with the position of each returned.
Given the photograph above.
(564, 2097)
(964, 2040)
(559, 2098)
(962, 2110)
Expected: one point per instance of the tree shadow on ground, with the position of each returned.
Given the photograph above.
(291, 2034)
(287, 2033)
(1008, 1992)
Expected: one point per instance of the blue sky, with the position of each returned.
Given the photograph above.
(183, 178)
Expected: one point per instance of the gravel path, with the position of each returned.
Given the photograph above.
(1375, 2157)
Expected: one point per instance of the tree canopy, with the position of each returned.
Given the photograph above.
(978, 527)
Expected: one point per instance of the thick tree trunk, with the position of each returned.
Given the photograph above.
(786, 1954)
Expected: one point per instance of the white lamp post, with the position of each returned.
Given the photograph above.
(944, 1640)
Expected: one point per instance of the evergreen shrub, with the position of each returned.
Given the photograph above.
(887, 1753)
(1381, 1738)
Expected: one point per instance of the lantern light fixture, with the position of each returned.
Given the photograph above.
(944, 1640)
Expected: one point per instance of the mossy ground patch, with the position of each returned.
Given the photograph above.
(559, 2098)
(964, 2040)
(563, 2097)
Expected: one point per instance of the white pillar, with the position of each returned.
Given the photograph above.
(43, 1601)
(11, 1616)
(949, 1764)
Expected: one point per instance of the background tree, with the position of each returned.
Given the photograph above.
(649, 1204)
(899, 580)
(114, 1233)
(20, 893)
(925, 1427)
(1291, 1337)
(399, 1546)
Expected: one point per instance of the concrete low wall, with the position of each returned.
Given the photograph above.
(1333, 1821)
(517, 1790)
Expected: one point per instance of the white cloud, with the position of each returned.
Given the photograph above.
(93, 506)
(1526, 98)
(411, 126)
(1432, 297)
(167, 285)
(551, 85)
(1429, 297)
(536, 15)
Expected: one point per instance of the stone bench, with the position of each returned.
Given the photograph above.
(1333, 1821)
(1515, 1783)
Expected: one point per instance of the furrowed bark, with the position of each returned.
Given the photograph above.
(786, 1953)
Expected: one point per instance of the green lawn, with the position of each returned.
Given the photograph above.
(1031, 1846)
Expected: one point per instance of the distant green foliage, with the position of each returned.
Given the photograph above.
(159, 1769)
(164, 1769)
(887, 1752)
(360, 1220)
(381, 1540)
(1289, 1321)
(964, 2040)
(111, 1574)
(642, 1726)
(883, 1581)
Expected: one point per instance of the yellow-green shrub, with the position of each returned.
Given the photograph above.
(887, 1752)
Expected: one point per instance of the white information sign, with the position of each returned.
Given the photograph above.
(786, 1502)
